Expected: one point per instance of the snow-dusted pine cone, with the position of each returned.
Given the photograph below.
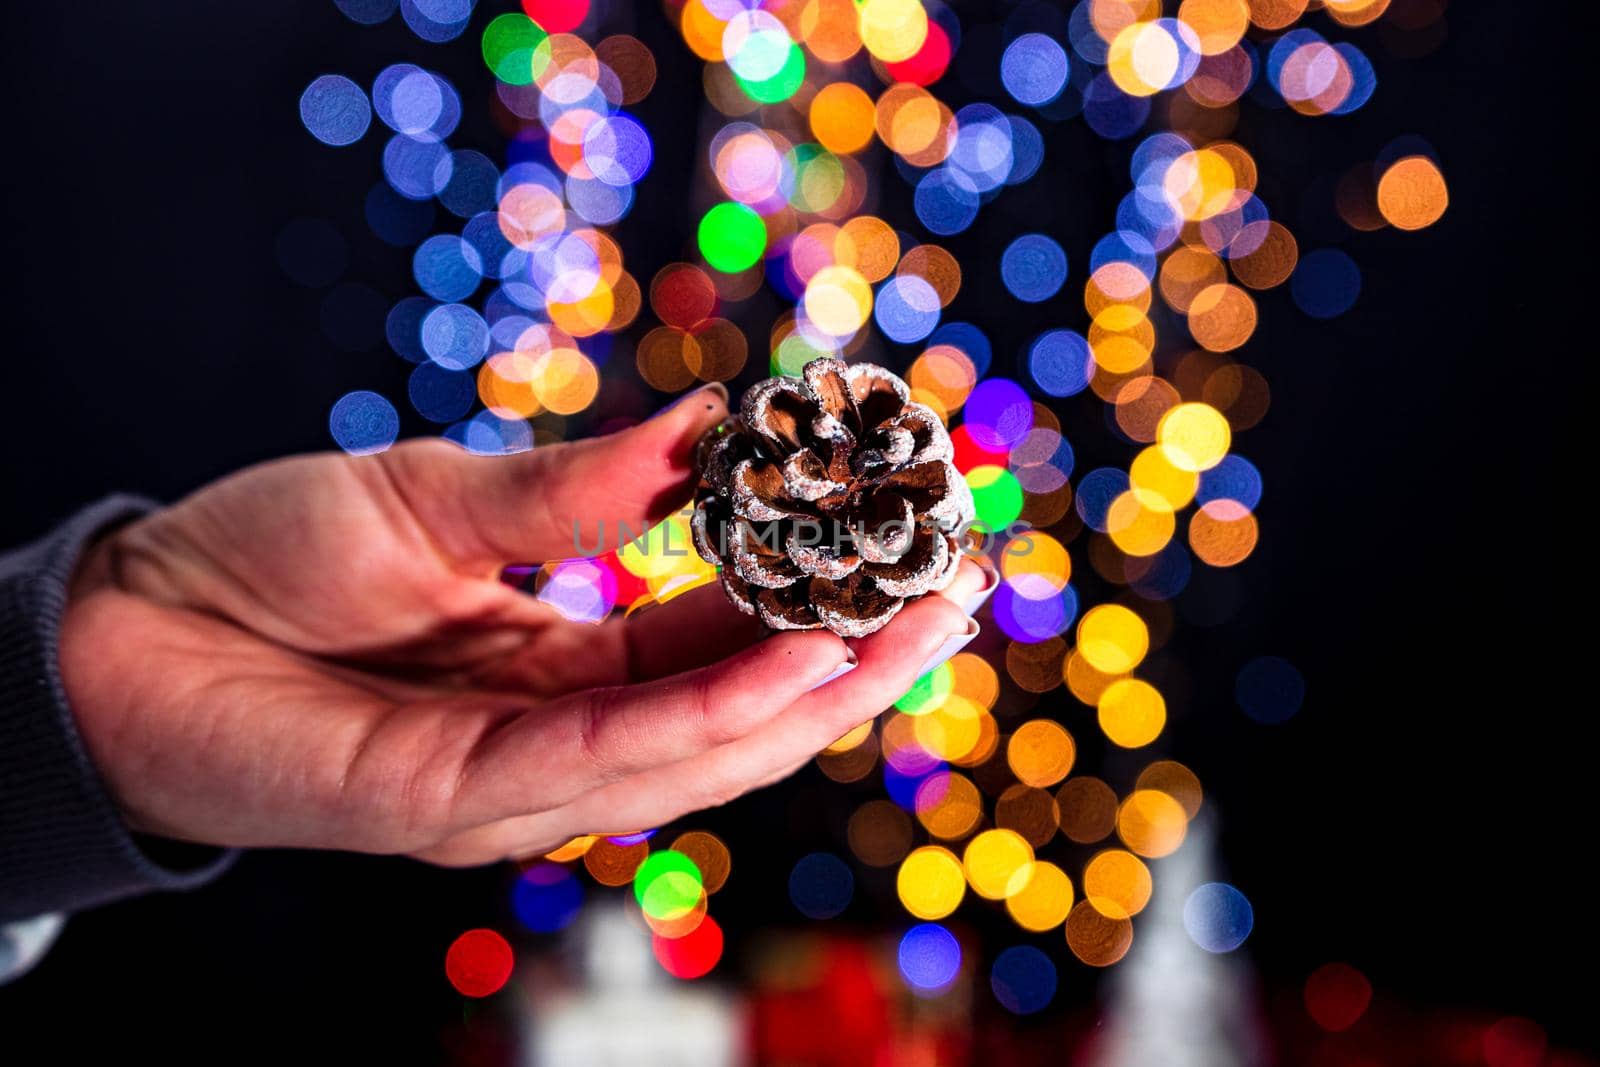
(831, 500)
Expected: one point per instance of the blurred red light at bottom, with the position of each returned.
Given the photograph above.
(1515, 1042)
(1337, 996)
(692, 955)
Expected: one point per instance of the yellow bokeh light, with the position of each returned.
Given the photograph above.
(1040, 753)
(851, 739)
(1140, 522)
(1036, 564)
(842, 117)
(869, 245)
(893, 30)
(1143, 59)
(1132, 713)
(565, 380)
(660, 551)
(1164, 485)
(1194, 436)
(953, 808)
(1084, 680)
(1117, 884)
(952, 730)
(1219, 24)
(702, 31)
(1112, 638)
(838, 301)
(1043, 903)
(942, 377)
(1412, 193)
(998, 863)
(828, 28)
(930, 882)
(1201, 184)
(572, 849)
(1152, 823)
(972, 677)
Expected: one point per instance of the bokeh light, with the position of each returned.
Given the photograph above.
(1218, 917)
(479, 963)
(929, 958)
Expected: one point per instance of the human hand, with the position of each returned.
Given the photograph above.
(318, 652)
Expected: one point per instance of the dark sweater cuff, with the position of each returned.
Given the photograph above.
(63, 843)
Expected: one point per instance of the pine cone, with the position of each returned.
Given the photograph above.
(830, 501)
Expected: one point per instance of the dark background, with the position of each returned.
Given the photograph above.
(1426, 816)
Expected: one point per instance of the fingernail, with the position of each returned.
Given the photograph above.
(991, 582)
(953, 644)
(841, 670)
(704, 393)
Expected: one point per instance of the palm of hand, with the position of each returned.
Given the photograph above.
(318, 652)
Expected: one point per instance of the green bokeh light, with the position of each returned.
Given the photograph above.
(782, 85)
(667, 885)
(929, 692)
(814, 179)
(997, 495)
(732, 237)
(509, 43)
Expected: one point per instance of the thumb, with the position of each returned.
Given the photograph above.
(546, 503)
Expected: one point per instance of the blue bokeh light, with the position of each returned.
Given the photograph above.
(1023, 979)
(441, 395)
(1218, 917)
(906, 308)
(335, 110)
(546, 898)
(447, 268)
(1270, 689)
(1096, 492)
(455, 336)
(363, 423)
(1325, 283)
(1033, 268)
(821, 885)
(367, 12)
(1034, 69)
(1061, 362)
(929, 958)
(946, 201)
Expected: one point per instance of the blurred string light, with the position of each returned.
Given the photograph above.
(521, 290)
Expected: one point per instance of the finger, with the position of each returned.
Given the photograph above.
(582, 742)
(692, 630)
(890, 662)
(555, 501)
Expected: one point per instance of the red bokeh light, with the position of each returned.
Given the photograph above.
(930, 62)
(1337, 996)
(970, 454)
(557, 16)
(478, 963)
(692, 955)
